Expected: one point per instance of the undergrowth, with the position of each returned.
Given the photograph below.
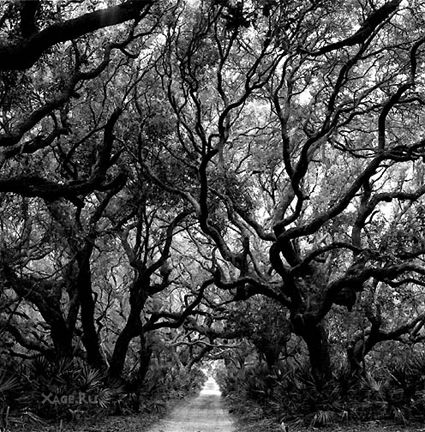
(53, 395)
(290, 396)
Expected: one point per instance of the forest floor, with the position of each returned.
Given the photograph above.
(124, 423)
(201, 413)
(250, 417)
(208, 412)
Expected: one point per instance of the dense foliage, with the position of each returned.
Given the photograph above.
(184, 181)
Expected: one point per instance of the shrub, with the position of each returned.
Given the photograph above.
(396, 392)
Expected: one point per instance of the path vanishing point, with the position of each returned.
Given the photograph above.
(205, 413)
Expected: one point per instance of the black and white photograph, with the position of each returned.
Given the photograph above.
(212, 215)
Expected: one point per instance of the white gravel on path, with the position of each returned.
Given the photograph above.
(205, 413)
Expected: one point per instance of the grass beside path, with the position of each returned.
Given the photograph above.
(123, 423)
(250, 417)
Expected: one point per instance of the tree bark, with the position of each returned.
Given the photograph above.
(22, 55)
(61, 335)
(318, 349)
(87, 305)
(356, 354)
(145, 359)
(132, 329)
(44, 295)
(316, 339)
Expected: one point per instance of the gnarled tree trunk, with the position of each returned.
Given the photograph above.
(316, 339)
(85, 293)
(132, 329)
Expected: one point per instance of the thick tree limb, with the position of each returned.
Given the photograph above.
(366, 30)
(23, 340)
(35, 186)
(166, 250)
(355, 278)
(364, 342)
(299, 268)
(30, 146)
(32, 119)
(212, 333)
(24, 54)
(178, 318)
(29, 9)
(251, 287)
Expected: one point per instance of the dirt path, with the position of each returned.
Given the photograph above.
(204, 413)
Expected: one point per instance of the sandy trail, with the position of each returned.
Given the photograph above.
(204, 413)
